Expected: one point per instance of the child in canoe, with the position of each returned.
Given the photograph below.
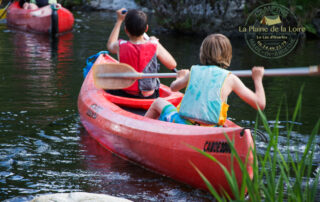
(45, 6)
(138, 52)
(34, 4)
(208, 87)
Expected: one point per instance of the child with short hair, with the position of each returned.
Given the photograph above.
(138, 52)
(208, 87)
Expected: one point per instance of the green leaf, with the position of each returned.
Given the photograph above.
(209, 185)
(310, 28)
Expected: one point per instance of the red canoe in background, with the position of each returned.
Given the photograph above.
(157, 145)
(59, 21)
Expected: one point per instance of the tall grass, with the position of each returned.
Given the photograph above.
(279, 176)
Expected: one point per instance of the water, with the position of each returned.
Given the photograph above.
(45, 149)
(114, 4)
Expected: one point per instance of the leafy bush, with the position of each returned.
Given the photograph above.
(279, 176)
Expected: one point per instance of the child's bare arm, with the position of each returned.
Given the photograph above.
(164, 56)
(181, 81)
(255, 99)
(112, 44)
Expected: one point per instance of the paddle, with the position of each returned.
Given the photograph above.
(3, 11)
(120, 75)
(296, 71)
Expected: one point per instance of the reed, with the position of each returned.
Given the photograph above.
(279, 176)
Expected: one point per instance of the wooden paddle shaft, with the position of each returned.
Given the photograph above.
(138, 75)
(297, 71)
(312, 70)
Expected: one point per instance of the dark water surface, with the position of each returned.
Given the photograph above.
(45, 149)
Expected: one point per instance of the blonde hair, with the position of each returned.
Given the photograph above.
(216, 49)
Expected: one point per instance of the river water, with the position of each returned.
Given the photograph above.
(45, 149)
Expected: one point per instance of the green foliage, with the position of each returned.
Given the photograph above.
(310, 28)
(304, 10)
(276, 178)
(71, 3)
(143, 3)
(186, 25)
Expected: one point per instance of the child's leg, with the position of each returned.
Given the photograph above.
(156, 108)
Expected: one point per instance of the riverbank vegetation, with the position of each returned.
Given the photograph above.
(207, 16)
(278, 175)
(73, 3)
(306, 11)
(225, 16)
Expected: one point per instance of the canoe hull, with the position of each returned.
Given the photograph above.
(22, 19)
(160, 146)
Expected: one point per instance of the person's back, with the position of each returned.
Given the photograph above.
(34, 4)
(202, 100)
(139, 53)
(41, 8)
(208, 87)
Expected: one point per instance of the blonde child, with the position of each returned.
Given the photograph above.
(208, 87)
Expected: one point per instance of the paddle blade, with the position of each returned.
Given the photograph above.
(115, 82)
(3, 14)
(3, 11)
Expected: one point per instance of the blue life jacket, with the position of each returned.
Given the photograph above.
(90, 61)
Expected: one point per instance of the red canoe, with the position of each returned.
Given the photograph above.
(157, 145)
(60, 21)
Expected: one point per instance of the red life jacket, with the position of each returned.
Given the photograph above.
(139, 56)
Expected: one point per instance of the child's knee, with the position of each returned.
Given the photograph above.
(159, 100)
(30, 6)
(160, 103)
(25, 5)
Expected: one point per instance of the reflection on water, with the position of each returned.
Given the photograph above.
(43, 147)
(39, 66)
(110, 174)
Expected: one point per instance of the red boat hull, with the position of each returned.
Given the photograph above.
(161, 146)
(22, 19)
